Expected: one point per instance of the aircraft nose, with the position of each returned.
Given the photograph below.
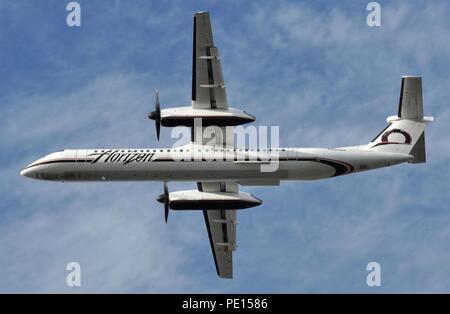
(27, 172)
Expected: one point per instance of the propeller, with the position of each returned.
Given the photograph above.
(156, 115)
(164, 199)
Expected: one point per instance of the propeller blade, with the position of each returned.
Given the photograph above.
(158, 128)
(157, 106)
(164, 199)
(166, 211)
(156, 115)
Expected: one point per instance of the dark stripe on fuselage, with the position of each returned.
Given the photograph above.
(59, 161)
(339, 166)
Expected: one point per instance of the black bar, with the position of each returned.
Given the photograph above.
(232, 303)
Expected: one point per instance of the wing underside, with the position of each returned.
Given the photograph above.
(221, 227)
(208, 92)
(208, 89)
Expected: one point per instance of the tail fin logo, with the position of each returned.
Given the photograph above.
(385, 138)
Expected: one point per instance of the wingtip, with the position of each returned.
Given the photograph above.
(201, 12)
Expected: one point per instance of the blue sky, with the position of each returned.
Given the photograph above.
(315, 69)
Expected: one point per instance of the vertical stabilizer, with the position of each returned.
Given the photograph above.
(405, 133)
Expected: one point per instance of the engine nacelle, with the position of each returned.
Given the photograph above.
(184, 116)
(194, 199)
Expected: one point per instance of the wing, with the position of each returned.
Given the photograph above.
(221, 227)
(208, 90)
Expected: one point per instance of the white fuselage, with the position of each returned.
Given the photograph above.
(204, 163)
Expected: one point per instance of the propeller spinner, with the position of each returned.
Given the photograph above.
(156, 115)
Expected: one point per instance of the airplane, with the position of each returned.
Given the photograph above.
(222, 168)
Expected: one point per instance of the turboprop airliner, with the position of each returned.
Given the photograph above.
(220, 168)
